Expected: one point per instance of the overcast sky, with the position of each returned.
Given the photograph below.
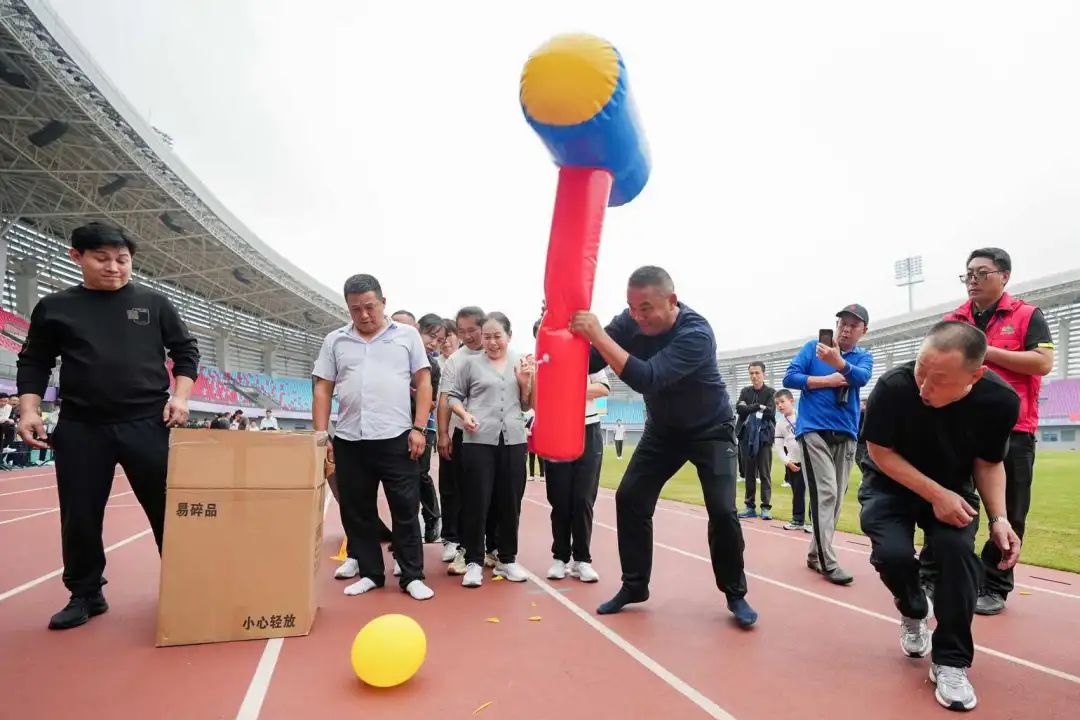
(798, 148)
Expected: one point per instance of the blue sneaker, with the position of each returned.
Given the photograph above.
(745, 615)
(748, 513)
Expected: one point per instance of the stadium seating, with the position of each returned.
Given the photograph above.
(1060, 398)
(251, 389)
(631, 412)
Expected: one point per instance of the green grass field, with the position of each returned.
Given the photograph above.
(1053, 533)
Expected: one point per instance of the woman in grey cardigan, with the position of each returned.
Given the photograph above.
(497, 385)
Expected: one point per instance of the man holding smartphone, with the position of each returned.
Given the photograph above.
(936, 432)
(829, 374)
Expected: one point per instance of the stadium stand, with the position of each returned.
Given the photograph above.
(75, 150)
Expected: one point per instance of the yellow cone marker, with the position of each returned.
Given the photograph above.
(341, 555)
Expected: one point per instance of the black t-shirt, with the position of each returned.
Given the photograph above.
(1038, 332)
(942, 443)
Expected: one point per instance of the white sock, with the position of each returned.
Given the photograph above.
(359, 588)
(419, 591)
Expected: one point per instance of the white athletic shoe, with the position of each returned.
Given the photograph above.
(584, 572)
(457, 567)
(511, 571)
(915, 636)
(954, 690)
(397, 569)
(449, 551)
(557, 571)
(348, 569)
(359, 588)
(491, 559)
(474, 576)
(419, 591)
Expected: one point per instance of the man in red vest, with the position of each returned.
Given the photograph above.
(1021, 351)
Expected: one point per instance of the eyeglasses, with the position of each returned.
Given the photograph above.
(979, 276)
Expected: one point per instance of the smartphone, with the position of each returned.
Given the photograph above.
(825, 337)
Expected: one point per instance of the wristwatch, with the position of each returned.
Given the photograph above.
(999, 518)
(419, 429)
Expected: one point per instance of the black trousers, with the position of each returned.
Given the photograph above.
(1019, 472)
(429, 499)
(798, 495)
(86, 458)
(533, 457)
(889, 518)
(495, 487)
(758, 467)
(571, 492)
(654, 461)
(618, 448)
(361, 466)
(450, 472)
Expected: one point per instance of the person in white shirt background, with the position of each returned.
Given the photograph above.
(790, 454)
(620, 435)
(269, 422)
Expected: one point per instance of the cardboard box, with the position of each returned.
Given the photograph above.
(202, 459)
(241, 562)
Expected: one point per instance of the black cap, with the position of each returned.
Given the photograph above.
(857, 310)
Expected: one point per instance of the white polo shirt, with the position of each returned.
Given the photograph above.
(372, 378)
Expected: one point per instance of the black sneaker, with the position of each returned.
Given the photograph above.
(78, 611)
(989, 604)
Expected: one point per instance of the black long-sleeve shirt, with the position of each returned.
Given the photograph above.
(750, 401)
(676, 372)
(112, 348)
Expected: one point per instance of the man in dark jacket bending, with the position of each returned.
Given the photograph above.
(667, 352)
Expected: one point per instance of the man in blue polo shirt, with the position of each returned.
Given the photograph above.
(829, 378)
(667, 352)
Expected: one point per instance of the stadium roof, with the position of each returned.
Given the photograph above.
(72, 149)
(1058, 289)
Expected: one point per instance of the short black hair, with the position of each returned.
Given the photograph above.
(999, 257)
(451, 327)
(756, 363)
(4, 396)
(430, 321)
(404, 312)
(471, 311)
(501, 319)
(949, 335)
(96, 235)
(784, 393)
(536, 328)
(652, 276)
(360, 284)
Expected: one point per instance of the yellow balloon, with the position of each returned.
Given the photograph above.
(389, 650)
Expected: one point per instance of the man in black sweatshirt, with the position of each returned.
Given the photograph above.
(667, 352)
(111, 336)
(755, 430)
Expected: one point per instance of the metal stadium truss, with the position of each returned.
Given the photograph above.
(73, 150)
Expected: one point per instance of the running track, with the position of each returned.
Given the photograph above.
(818, 651)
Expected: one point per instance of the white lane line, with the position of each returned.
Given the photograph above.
(264, 671)
(25, 477)
(35, 509)
(52, 510)
(796, 538)
(260, 681)
(30, 490)
(674, 681)
(60, 571)
(1061, 674)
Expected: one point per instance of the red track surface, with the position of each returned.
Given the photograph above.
(819, 651)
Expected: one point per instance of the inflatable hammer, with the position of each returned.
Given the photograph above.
(574, 94)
